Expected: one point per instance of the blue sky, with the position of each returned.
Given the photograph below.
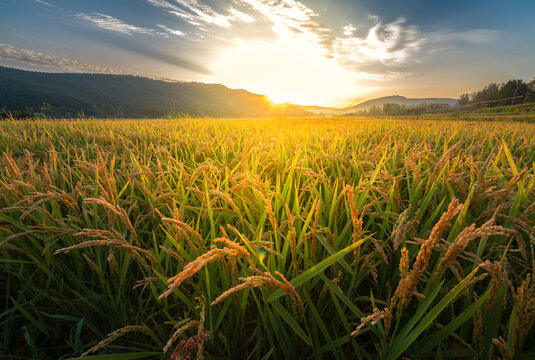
(307, 52)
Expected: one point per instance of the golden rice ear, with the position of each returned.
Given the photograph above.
(314, 232)
(524, 310)
(192, 268)
(407, 285)
(113, 240)
(463, 239)
(373, 319)
(246, 284)
(292, 238)
(232, 249)
(117, 334)
(404, 263)
(269, 209)
(186, 229)
(265, 278)
(114, 209)
(179, 332)
(356, 222)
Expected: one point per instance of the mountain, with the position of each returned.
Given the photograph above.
(321, 109)
(105, 95)
(400, 100)
(379, 102)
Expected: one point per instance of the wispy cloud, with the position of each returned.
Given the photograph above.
(390, 45)
(291, 17)
(44, 3)
(349, 29)
(476, 36)
(110, 23)
(12, 55)
(132, 43)
(198, 13)
(204, 13)
(238, 15)
(172, 31)
(447, 40)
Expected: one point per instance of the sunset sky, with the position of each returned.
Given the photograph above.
(331, 53)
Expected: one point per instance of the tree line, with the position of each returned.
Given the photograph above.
(511, 92)
(392, 109)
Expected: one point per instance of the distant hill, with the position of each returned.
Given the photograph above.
(379, 102)
(104, 95)
(400, 100)
(321, 109)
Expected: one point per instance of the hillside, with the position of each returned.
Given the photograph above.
(379, 102)
(104, 95)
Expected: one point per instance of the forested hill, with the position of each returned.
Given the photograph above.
(104, 95)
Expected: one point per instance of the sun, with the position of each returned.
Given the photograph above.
(287, 70)
(277, 100)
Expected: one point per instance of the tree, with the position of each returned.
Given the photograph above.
(508, 93)
(46, 109)
(488, 93)
(530, 94)
(511, 89)
(464, 99)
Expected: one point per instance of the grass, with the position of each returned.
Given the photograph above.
(523, 109)
(517, 113)
(267, 239)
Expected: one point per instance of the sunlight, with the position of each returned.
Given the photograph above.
(277, 99)
(287, 70)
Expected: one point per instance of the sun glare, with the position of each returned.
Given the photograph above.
(276, 100)
(286, 70)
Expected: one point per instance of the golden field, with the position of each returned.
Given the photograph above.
(267, 239)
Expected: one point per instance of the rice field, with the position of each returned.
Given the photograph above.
(267, 239)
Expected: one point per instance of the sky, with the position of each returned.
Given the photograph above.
(328, 53)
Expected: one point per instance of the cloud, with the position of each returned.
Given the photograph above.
(135, 45)
(291, 17)
(349, 29)
(236, 14)
(477, 36)
(153, 50)
(44, 3)
(12, 55)
(172, 32)
(374, 18)
(447, 41)
(392, 44)
(389, 45)
(197, 13)
(437, 50)
(204, 13)
(110, 23)
(309, 62)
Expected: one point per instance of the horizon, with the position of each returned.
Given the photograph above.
(299, 52)
(364, 100)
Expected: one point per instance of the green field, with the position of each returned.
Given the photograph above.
(519, 113)
(267, 239)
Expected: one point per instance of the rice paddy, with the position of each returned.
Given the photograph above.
(267, 239)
